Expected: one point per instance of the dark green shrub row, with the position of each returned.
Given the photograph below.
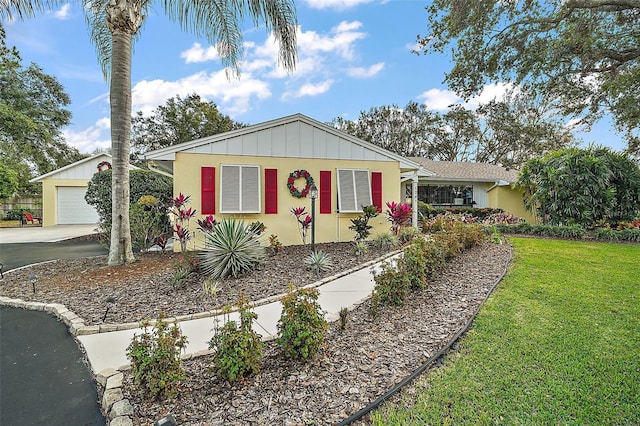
(571, 231)
(422, 257)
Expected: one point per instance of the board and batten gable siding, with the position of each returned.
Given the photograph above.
(293, 140)
(330, 225)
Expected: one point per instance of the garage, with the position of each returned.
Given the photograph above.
(72, 208)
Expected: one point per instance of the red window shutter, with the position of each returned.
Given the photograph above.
(271, 191)
(325, 191)
(208, 190)
(376, 189)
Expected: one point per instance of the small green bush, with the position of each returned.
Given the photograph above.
(318, 262)
(433, 257)
(449, 242)
(232, 249)
(359, 248)
(155, 359)
(415, 263)
(392, 283)
(301, 326)
(16, 213)
(148, 221)
(469, 235)
(238, 349)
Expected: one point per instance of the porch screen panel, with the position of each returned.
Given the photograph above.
(376, 190)
(230, 189)
(325, 191)
(208, 190)
(250, 189)
(271, 191)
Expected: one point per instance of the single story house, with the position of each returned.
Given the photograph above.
(262, 172)
(63, 192)
(465, 184)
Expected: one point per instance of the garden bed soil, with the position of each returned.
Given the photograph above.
(354, 367)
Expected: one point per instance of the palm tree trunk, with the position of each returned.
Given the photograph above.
(120, 251)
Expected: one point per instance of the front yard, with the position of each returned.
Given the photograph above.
(557, 343)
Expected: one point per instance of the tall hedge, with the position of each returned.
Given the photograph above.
(142, 182)
(581, 186)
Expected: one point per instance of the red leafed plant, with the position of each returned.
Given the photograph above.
(399, 214)
(304, 222)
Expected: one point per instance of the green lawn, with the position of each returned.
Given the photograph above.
(557, 343)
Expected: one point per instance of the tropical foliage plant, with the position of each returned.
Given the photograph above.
(360, 225)
(581, 186)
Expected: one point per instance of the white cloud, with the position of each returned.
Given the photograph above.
(232, 95)
(309, 89)
(93, 137)
(63, 12)
(197, 54)
(441, 100)
(361, 72)
(335, 4)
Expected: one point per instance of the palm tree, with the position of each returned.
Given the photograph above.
(114, 26)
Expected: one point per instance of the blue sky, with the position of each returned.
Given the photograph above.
(353, 55)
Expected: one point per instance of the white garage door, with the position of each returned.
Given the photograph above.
(72, 208)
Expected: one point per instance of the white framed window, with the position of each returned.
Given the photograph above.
(354, 190)
(239, 189)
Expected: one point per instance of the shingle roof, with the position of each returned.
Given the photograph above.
(459, 170)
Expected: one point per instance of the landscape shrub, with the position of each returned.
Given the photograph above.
(415, 263)
(232, 249)
(238, 349)
(433, 257)
(469, 235)
(142, 182)
(301, 326)
(17, 213)
(156, 365)
(450, 243)
(391, 283)
(148, 221)
(399, 214)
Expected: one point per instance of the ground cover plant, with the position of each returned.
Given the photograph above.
(557, 343)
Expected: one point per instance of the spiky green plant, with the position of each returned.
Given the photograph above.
(318, 261)
(385, 241)
(232, 249)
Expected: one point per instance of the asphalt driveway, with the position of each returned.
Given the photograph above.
(43, 377)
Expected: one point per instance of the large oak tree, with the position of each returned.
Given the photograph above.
(582, 55)
(115, 25)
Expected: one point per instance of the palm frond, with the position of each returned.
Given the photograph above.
(219, 22)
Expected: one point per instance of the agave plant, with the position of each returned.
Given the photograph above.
(232, 249)
(318, 261)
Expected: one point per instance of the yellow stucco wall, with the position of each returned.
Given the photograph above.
(509, 200)
(49, 197)
(329, 227)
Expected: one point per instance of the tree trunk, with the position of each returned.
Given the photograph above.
(120, 251)
(124, 18)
